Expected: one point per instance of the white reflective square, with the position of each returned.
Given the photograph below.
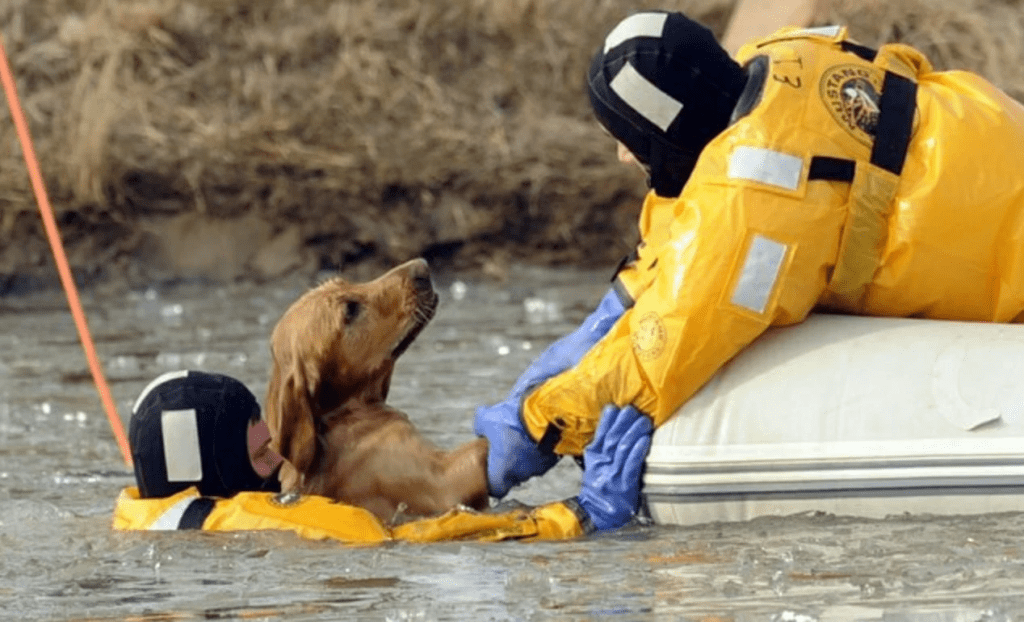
(766, 166)
(170, 519)
(760, 273)
(181, 445)
(642, 95)
(821, 31)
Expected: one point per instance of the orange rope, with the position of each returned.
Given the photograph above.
(58, 253)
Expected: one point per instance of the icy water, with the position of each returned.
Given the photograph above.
(60, 471)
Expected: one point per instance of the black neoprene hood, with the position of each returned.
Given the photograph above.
(663, 86)
(190, 428)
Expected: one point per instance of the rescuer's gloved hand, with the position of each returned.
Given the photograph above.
(513, 456)
(613, 467)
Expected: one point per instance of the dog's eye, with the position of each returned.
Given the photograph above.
(352, 308)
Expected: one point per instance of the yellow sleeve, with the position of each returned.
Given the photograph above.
(554, 521)
(738, 260)
(637, 272)
(563, 520)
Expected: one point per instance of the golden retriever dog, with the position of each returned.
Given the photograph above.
(334, 351)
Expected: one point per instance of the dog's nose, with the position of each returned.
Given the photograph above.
(420, 273)
(422, 282)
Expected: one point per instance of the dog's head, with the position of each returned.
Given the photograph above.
(337, 344)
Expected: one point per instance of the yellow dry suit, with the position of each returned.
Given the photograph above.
(319, 518)
(857, 180)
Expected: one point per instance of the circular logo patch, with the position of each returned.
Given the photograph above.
(851, 93)
(649, 336)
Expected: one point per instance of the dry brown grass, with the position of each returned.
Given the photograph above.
(355, 129)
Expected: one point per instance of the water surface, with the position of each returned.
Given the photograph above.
(60, 471)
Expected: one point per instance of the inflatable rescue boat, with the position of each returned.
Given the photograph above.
(851, 416)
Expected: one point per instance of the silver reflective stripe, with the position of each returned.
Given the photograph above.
(162, 378)
(639, 25)
(652, 103)
(182, 459)
(766, 166)
(760, 273)
(820, 31)
(170, 519)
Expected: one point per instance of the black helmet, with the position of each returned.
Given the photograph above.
(664, 87)
(189, 428)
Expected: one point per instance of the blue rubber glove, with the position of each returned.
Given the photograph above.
(513, 456)
(614, 463)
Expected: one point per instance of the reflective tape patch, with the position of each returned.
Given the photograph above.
(162, 378)
(820, 31)
(181, 445)
(170, 519)
(639, 25)
(766, 166)
(652, 103)
(760, 273)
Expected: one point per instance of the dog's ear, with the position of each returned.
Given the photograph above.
(289, 412)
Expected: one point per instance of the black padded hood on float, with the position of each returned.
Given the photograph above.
(189, 428)
(664, 87)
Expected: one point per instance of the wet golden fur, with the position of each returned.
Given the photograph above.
(334, 351)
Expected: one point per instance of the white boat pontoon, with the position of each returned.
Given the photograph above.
(851, 416)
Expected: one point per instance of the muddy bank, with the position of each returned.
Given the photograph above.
(262, 138)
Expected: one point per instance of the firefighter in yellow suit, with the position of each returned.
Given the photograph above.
(202, 461)
(808, 172)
